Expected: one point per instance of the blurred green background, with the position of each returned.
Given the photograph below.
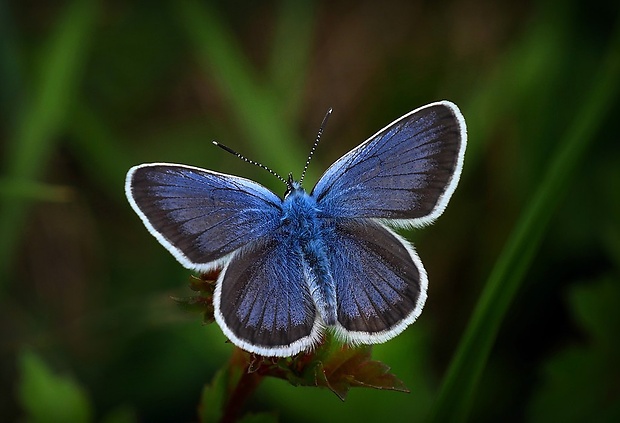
(531, 239)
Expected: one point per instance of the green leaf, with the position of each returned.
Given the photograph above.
(48, 397)
(213, 398)
(216, 396)
(581, 382)
(595, 309)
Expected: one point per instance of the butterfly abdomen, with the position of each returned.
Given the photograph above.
(302, 224)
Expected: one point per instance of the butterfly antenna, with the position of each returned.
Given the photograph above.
(316, 142)
(245, 159)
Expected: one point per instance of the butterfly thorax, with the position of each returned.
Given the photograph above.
(301, 224)
(299, 217)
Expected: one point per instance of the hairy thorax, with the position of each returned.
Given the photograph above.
(300, 220)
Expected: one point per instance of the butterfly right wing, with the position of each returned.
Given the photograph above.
(201, 216)
(403, 175)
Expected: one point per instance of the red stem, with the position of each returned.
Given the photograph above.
(246, 385)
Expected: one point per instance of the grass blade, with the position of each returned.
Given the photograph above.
(455, 396)
(290, 54)
(43, 117)
(259, 113)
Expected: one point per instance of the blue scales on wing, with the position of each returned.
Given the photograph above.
(201, 216)
(380, 281)
(405, 173)
(263, 302)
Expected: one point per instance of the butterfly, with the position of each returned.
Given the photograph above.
(295, 266)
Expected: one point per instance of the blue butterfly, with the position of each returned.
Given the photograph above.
(294, 266)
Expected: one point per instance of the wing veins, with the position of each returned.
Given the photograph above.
(237, 188)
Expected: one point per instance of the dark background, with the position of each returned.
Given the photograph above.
(92, 88)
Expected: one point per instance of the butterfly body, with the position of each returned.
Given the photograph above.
(304, 226)
(292, 266)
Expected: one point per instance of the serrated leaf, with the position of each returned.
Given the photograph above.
(354, 367)
(48, 397)
(331, 365)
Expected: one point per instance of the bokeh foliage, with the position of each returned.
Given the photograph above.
(529, 246)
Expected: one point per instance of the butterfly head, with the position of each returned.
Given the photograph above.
(293, 186)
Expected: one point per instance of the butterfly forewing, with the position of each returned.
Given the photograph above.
(405, 174)
(201, 216)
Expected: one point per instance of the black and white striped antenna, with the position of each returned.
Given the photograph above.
(245, 159)
(316, 142)
(262, 166)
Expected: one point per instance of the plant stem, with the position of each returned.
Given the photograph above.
(246, 384)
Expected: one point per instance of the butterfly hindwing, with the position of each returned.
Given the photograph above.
(380, 281)
(262, 300)
(404, 174)
(201, 216)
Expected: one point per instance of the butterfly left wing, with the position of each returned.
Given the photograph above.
(381, 283)
(201, 216)
(262, 301)
(404, 174)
